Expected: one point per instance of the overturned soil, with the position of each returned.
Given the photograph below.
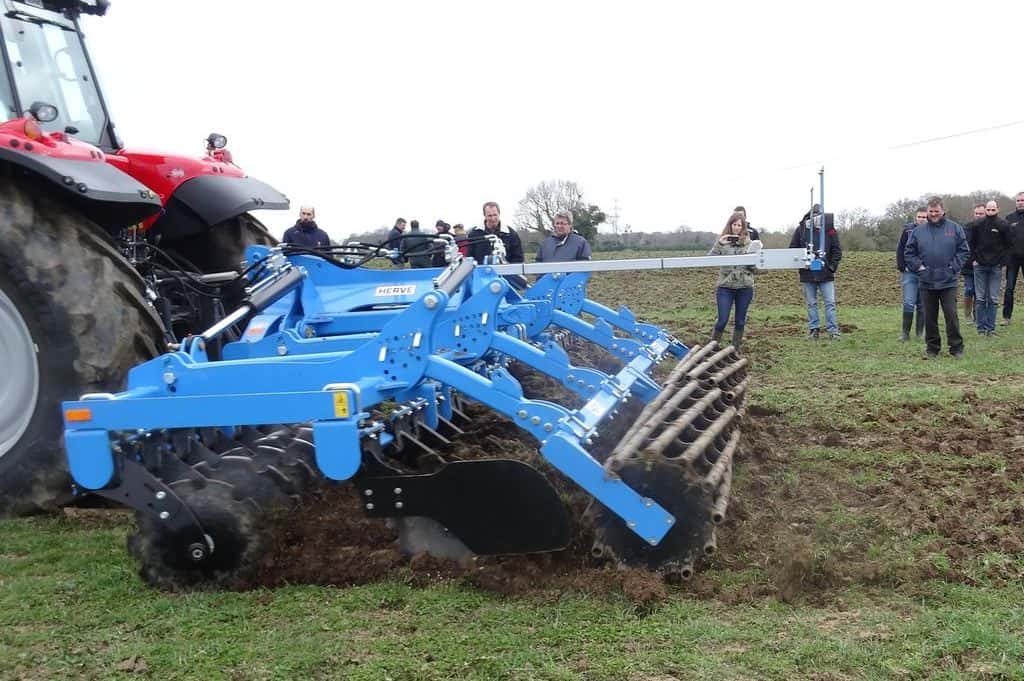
(957, 487)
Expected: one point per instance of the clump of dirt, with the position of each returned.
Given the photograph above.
(643, 588)
(799, 569)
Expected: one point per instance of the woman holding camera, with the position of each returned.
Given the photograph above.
(735, 282)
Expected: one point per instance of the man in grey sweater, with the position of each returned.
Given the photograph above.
(563, 244)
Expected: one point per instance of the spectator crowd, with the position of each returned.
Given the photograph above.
(934, 255)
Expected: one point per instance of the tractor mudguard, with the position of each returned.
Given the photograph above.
(202, 202)
(104, 194)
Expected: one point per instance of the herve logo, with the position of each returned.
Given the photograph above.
(403, 290)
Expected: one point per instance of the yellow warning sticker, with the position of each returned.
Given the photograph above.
(341, 410)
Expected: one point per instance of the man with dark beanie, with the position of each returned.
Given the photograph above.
(1015, 261)
(990, 242)
(305, 231)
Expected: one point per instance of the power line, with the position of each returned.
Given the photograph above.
(868, 152)
(956, 134)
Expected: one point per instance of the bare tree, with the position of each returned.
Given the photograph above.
(536, 210)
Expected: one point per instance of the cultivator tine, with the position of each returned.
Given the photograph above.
(435, 434)
(458, 410)
(449, 427)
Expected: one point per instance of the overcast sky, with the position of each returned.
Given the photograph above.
(676, 110)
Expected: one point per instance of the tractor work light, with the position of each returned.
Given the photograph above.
(216, 141)
(43, 112)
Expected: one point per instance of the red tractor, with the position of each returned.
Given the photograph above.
(107, 256)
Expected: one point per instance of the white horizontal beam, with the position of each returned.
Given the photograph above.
(765, 259)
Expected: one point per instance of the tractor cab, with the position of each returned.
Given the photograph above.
(46, 64)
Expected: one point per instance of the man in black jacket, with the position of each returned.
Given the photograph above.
(1015, 262)
(416, 247)
(969, 293)
(989, 240)
(821, 281)
(908, 280)
(305, 231)
(437, 260)
(395, 239)
(480, 247)
(937, 251)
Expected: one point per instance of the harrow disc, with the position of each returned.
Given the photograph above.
(679, 452)
(232, 493)
(230, 525)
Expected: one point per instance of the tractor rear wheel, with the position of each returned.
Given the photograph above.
(73, 320)
(222, 247)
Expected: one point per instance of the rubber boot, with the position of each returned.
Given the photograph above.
(919, 323)
(737, 338)
(908, 320)
(969, 309)
(716, 335)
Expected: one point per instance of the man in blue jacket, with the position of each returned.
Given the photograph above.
(937, 251)
(908, 280)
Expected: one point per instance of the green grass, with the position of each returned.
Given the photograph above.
(72, 607)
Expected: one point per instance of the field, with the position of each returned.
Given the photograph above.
(877, 531)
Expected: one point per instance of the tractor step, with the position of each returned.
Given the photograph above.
(494, 506)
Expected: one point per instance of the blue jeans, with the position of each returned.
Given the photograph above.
(911, 295)
(986, 285)
(726, 298)
(827, 290)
